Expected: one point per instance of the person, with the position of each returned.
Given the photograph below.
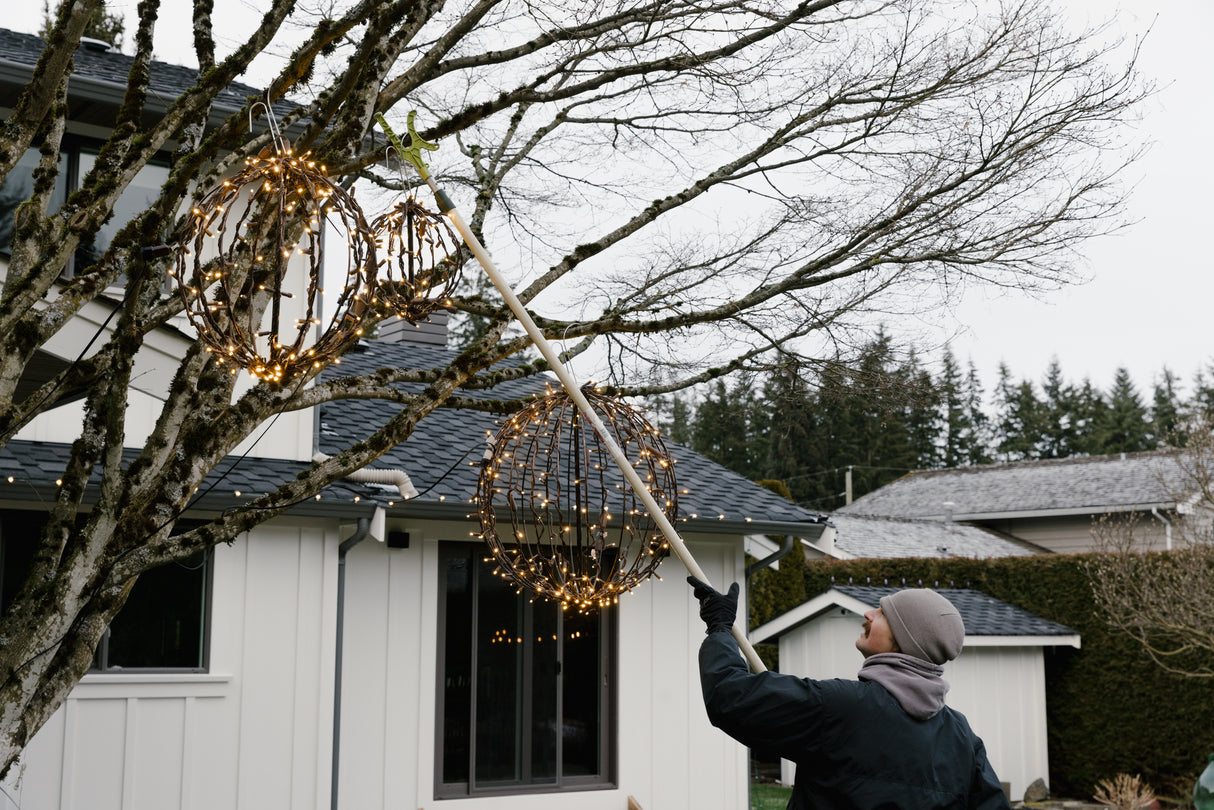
(886, 740)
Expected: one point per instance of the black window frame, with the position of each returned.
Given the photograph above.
(68, 181)
(608, 695)
(204, 561)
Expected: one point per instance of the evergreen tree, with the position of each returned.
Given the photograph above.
(921, 413)
(1201, 406)
(1021, 418)
(1125, 427)
(957, 427)
(1059, 436)
(798, 442)
(1166, 411)
(1090, 410)
(104, 26)
(977, 441)
(722, 428)
(674, 417)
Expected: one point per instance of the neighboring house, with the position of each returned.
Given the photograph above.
(847, 537)
(997, 682)
(1051, 504)
(357, 652)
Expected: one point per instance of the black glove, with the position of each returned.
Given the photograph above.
(718, 610)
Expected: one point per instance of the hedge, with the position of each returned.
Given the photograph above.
(1109, 708)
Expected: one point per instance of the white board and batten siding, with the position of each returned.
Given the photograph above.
(669, 756)
(999, 689)
(255, 732)
(252, 733)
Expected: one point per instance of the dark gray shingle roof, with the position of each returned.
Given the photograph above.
(885, 537)
(1093, 484)
(19, 53)
(441, 459)
(983, 615)
(34, 467)
(442, 456)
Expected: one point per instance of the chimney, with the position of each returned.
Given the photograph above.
(430, 332)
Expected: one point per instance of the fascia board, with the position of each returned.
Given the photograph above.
(1023, 641)
(962, 517)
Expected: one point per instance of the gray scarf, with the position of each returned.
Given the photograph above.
(914, 683)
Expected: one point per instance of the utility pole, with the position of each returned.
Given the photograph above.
(847, 486)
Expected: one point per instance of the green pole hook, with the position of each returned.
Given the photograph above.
(413, 152)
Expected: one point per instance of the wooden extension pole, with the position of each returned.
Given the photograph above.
(413, 155)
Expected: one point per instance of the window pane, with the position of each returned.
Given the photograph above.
(545, 635)
(161, 624)
(499, 674)
(18, 187)
(457, 677)
(583, 676)
(525, 703)
(141, 193)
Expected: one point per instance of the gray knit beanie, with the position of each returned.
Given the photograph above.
(925, 624)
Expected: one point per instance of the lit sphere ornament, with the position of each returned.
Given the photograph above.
(557, 513)
(247, 238)
(420, 260)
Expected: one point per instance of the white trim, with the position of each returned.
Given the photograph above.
(1070, 511)
(1023, 641)
(760, 546)
(103, 686)
(805, 611)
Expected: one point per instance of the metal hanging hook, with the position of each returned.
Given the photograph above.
(272, 124)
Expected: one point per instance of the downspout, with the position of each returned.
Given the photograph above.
(1167, 531)
(771, 559)
(360, 534)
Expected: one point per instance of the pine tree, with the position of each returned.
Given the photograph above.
(721, 429)
(957, 427)
(1166, 411)
(1058, 414)
(1125, 427)
(1021, 418)
(977, 442)
(798, 438)
(104, 26)
(1090, 410)
(921, 413)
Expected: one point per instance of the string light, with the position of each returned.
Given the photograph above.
(420, 260)
(568, 529)
(232, 267)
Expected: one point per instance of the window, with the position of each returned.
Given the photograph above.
(526, 691)
(162, 626)
(75, 161)
(17, 188)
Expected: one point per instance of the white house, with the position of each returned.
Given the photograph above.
(356, 652)
(248, 706)
(997, 682)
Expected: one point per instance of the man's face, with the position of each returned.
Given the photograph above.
(876, 637)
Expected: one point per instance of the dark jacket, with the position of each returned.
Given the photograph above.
(854, 745)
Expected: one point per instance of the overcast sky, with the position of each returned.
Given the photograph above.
(1150, 294)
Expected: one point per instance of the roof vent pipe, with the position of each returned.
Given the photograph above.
(399, 478)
